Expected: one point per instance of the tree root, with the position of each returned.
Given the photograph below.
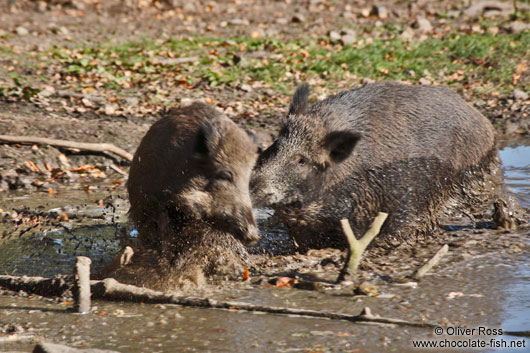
(95, 147)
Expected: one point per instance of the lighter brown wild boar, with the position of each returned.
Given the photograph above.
(189, 184)
(414, 152)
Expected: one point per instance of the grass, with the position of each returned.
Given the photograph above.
(480, 61)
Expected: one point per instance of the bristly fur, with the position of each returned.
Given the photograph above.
(189, 188)
(209, 253)
(405, 150)
(299, 103)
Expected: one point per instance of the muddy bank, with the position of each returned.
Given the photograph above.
(457, 295)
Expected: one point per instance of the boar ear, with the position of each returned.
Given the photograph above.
(340, 144)
(207, 139)
(299, 103)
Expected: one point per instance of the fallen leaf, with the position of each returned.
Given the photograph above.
(62, 217)
(453, 295)
(83, 168)
(286, 282)
(516, 78)
(245, 274)
(57, 173)
(521, 68)
(32, 166)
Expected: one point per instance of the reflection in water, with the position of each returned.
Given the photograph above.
(516, 168)
(517, 306)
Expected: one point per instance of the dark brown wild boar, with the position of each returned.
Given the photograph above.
(411, 151)
(189, 183)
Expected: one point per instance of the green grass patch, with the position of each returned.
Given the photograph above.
(480, 61)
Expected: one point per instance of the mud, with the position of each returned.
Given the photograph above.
(454, 296)
(482, 282)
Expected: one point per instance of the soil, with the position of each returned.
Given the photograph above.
(81, 22)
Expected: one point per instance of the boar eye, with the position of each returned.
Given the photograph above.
(302, 161)
(224, 175)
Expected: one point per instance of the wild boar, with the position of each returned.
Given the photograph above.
(190, 176)
(409, 151)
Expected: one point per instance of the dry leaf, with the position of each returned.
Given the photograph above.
(453, 295)
(305, 53)
(62, 217)
(32, 166)
(83, 168)
(521, 68)
(246, 274)
(287, 282)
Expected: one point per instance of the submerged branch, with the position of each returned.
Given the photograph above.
(110, 289)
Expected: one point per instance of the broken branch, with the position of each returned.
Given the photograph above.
(358, 246)
(110, 289)
(82, 284)
(95, 147)
(431, 263)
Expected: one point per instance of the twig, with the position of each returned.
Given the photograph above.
(51, 287)
(118, 170)
(431, 263)
(54, 214)
(123, 260)
(95, 147)
(357, 246)
(110, 289)
(70, 94)
(177, 61)
(517, 333)
(81, 289)
(15, 337)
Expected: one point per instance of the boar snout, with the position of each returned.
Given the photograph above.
(262, 192)
(244, 228)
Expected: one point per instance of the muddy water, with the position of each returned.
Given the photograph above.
(489, 290)
(516, 168)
